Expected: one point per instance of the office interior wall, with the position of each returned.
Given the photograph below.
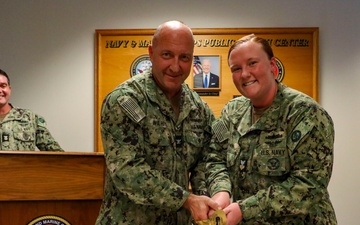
(47, 48)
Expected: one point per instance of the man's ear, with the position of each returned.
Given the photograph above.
(150, 50)
(273, 67)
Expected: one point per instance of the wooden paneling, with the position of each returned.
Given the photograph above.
(79, 212)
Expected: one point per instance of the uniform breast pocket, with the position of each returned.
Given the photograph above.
(159, 154)
(158, 146)
(158, 136)
(194, 139)
(24, 140)
(23, 131)
(192, 148)
(271, 162)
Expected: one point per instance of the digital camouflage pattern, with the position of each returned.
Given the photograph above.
(149, 153)
(277, 169)
(22, 129)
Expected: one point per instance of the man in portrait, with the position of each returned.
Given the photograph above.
(206, 79)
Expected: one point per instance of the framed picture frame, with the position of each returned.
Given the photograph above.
(207, 73)
(122, 53)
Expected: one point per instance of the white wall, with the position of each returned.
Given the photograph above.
(47, 47)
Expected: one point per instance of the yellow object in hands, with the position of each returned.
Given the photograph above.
(218, 218)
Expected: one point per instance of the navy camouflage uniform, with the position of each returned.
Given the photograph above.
(150, 153)
(278, 168)
(24, 130)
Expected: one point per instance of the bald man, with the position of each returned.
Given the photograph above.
(154, 131)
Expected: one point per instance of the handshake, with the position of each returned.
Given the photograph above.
(217, 210)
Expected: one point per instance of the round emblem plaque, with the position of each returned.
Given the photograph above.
(280, 70)
(140, 64)
(49, 220)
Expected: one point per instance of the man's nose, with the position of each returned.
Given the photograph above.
(175, 67)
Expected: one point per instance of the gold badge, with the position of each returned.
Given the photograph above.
(218, 218)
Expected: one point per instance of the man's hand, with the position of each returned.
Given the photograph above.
(233, 214)
(199, 206)
(222, 199)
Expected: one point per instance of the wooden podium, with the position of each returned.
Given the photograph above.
(68, 185)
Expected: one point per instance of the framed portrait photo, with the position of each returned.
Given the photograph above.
(207, 73)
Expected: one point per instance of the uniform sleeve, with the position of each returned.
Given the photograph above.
(310, 143)
(122, 137)
(44, 140)
(216, 170)
(198, 177)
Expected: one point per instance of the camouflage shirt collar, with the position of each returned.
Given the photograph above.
(157, 96)
(269, 119)
(15, 114)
